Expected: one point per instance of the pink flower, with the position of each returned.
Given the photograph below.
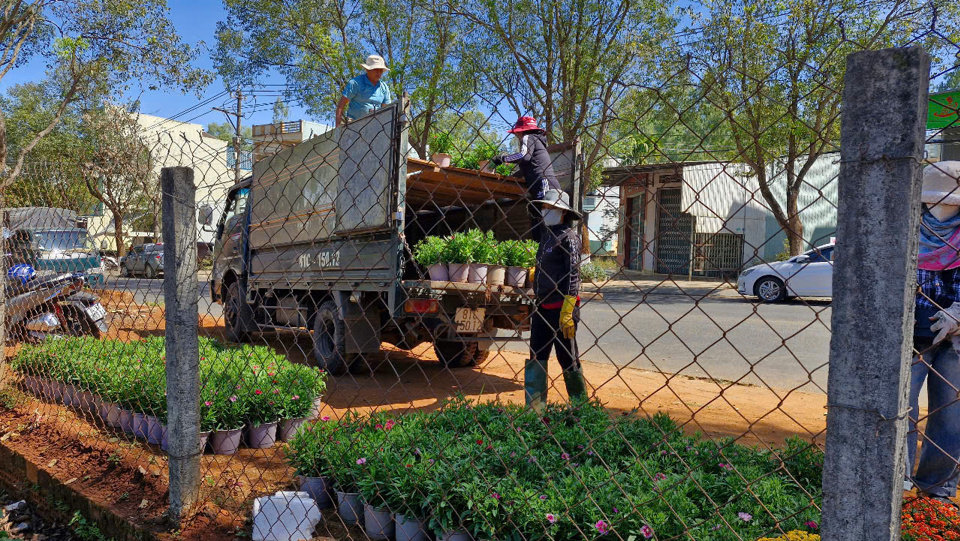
(660, 477)
(295, 397)
(647, 531)
(233, 398)
(746, 517)
(361, 461)
(565, 456)
(258, 392)
(811, 524)
(602, 527)
(495, 496)
(543, 497)
(551, 518)
(276, 391)
(208, 403)
(325, 418)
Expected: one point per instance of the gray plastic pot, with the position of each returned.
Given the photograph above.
(69, 395)
(477, 273)
(378, 523)
(262, 436)
(154, 431)
(113, 416)
(104, 410)
(459, 272)
(516, 276)
(458, 535)
(83, 400)
(226, 442)
(126, 421)
(438, 272)
(288, 429)
(349, 506)
(409, 528)
(140, 426)
(496, 275)
(319, 488)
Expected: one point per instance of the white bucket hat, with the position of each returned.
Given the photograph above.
(375, 62)
(941, 183)
(557, 199)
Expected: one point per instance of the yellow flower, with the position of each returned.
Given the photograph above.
(795, 535)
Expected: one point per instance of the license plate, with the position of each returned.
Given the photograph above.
(96, 311)
(469, 320)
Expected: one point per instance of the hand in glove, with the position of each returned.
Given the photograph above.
(496, 161)
(531, 276)
(567, 324)
(946, 321)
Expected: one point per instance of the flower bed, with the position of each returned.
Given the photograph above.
(501, 472)
(239, 385)
(925, 519)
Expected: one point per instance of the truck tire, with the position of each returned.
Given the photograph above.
(329, 332)
(460, 354)
(236, 315)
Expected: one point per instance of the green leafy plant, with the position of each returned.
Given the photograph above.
(484, 246)
(430, 251)
(459, 249)
(441, 143)
(592, 272)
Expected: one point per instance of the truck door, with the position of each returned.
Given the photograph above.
(229, 245)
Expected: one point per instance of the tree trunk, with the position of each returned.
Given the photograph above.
(118, 235)
(794, 225)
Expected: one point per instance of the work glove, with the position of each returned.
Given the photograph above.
(496, 161)
(946, 321)
(567, 325)
(531, 276)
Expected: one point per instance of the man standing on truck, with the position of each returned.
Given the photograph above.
(535, 164)
(557, 290)
(364, 93)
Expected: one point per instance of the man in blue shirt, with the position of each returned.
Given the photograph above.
(365, 93)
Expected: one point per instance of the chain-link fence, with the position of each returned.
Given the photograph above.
(617, 330)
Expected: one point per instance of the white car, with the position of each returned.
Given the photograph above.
(805, 275)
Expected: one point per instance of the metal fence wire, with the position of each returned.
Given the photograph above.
(382, 314)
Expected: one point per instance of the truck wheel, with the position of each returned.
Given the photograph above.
(236, 314)
(149, 273)
(460, 354)
(328, 339)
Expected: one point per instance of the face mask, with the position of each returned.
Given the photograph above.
(943, 212)
(552, 216)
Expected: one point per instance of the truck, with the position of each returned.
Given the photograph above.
(52, 240)
(319, 239)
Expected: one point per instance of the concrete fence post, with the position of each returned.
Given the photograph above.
(182, 337)
(874, 284)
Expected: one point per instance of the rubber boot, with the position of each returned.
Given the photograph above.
(576, 385)
(535, 384)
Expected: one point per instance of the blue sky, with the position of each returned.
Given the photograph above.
(195, 20)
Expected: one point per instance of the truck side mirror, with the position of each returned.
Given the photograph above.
(103, 245)
(205, 216)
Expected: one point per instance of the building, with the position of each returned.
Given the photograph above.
(173, 143)
(269, 139)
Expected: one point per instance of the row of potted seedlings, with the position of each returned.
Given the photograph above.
(493, 471)
(244, 390)
(476, 257)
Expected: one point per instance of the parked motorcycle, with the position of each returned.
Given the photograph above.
(51, 306)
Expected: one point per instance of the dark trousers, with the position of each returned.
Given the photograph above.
(546, 334)
(536, 222)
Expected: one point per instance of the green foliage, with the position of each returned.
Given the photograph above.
(238, 384)
(499, 470)
(225, 132)
(517, 253)
(84, 530)
(459, 249)
(430, 251)
(593, 272)
(441, 143)
(484, 247)
(482, 151)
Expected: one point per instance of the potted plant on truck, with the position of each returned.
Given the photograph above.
(519, 256)
(459, 255)
(440, 145)
(429, 254)
(483, 247)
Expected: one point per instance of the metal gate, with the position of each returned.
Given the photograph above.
(636, 214)
(674, 229)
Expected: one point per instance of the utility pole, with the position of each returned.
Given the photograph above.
(237, 138)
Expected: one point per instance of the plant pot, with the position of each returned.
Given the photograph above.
(516, 276)
(204, 438)
(32, 384)
(438, 272)
(484, 166)
(458, 272)
(477, 273)
(496, 275)
(68, 395)
(84, 401)
(103, 411)
(409, 528)
(456, 535)
(441, 159)
(349, 506)
(378, 523)
(126, 421)
(140, 426)
(226, 442)
(319, 488)
(289, 428)
(262, 436)
(154, 431)
(315, 412)
(113, 416)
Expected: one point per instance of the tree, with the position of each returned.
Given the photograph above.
(225, 132)
(92, 47)
(319, 46)
(118, 168)
(775, 70)
(280, 111)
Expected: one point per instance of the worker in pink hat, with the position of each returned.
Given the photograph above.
(535, 164)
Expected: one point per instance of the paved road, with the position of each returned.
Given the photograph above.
(705, 333)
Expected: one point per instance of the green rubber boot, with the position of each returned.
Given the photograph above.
(535, 384)
(576, 385)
